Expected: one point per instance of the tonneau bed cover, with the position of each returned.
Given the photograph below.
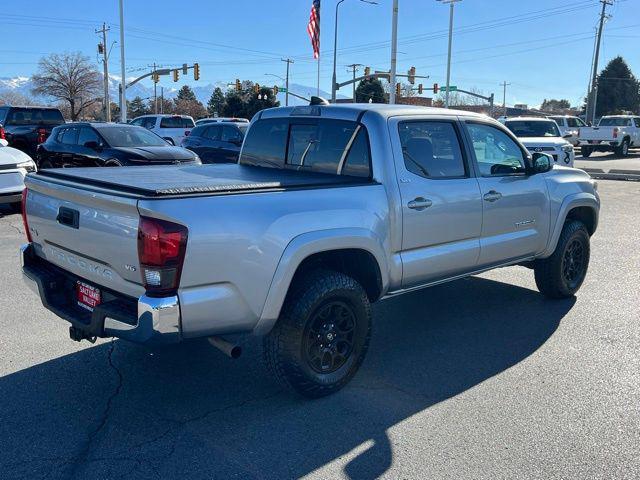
(158, 181)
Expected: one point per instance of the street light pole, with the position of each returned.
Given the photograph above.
(334, 79)
(286, 98)
(123, 80)
(394, 53)
(335, 53)
(451, 4)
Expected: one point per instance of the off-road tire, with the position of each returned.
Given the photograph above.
(586, 151)
(286, 346)
(550, 273)
(623, 149)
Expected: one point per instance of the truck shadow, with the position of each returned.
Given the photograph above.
(118, 410)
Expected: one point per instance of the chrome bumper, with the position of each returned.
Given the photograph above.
(157, 320)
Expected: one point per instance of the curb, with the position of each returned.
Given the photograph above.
(614, 174)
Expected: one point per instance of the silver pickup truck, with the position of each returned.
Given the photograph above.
(329, 209)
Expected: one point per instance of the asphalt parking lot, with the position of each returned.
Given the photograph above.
(481, 378)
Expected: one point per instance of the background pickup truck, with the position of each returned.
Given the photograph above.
(329, 209)
(614, 133)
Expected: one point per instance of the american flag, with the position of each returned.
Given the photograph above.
(314, 28)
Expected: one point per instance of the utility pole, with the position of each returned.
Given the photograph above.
(354, 69)
(451, 4)
(593, 93)
(105, 65)
(161, 99)
(123, 81)
(286, 98)
(155, 91)
(504, 96)
(394, 53)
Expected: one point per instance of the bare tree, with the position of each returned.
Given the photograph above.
(9, 97)
(69, 77)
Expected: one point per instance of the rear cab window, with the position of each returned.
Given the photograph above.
(338, 147)
(176, 122)
(34, 116)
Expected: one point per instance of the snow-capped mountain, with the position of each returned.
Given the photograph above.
(24, 86)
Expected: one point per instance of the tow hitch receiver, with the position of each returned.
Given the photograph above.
(78, 335)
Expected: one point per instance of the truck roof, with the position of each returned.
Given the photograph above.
(352, 111)
(528, 119)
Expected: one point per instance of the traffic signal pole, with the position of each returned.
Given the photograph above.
(105, 64)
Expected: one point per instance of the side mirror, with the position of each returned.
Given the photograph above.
(93, 145)
(541, 162)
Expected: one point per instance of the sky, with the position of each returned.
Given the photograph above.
(542, 48)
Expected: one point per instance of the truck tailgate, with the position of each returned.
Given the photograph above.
(597, 133)
(92, 235)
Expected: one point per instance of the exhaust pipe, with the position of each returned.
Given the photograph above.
(231, 350)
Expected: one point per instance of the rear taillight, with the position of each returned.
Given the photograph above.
(187, 133)
(615, 132)
(42, 135)
(161, 250)
(24, 214)
(2, 135)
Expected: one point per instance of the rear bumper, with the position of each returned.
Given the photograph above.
(10, 197)
(145, 320)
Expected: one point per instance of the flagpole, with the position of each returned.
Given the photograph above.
(318, 85)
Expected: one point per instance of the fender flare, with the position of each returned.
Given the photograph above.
(305, 245)
(582, 199)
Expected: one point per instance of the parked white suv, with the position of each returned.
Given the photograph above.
(173, 128)
(569, 125)
(542, 135)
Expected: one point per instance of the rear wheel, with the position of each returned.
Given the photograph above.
(561, 275)
(322, 335)
(586, 151)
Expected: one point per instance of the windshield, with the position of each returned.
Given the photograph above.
(615, 122)
(131, 136)
(533, 128)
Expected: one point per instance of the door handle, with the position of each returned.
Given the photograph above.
(419, 203)
(492, 196)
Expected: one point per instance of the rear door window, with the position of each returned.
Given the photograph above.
(69, 136)
(88, 135)
(431, 149)
(176, 122)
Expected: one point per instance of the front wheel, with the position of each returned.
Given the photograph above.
(623, 149)
(561, 275)
(322, 335)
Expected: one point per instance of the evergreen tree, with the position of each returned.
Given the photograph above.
(186, 93)
(370, 89)
(618, 89)
(216, 102)
(137, 108)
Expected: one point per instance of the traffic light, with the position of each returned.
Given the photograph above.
(420, 89)
(367, 71)
(256, 88)
(398, 89)
(100, 48)
(436, 88)
(196, 71)
(275, 90)
(238, 85)
(184, 68)
(176, 75)
(412, 75)
(156, 77)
